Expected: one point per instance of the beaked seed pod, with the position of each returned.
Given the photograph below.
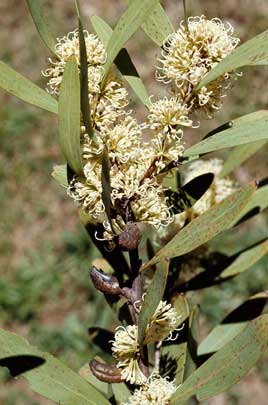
(129, 239)
(104, 282)
(105, 372)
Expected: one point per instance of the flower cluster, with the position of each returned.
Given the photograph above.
(126, 350)
(165, 119)
(137, 192)
(125, 345)
(189, 54)
(156, 391)
(69, 46)
(163, 323)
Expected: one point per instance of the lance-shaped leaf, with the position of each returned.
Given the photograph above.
(17, 85)
(122, 61)
(206, 226)
(60, 174)
(228, 366)
(87, 374)
(192, 342)
(257, 203)
(158, 25)
(127, 25)
(52, 379)
(188, 194)
(251, 53)
(85, 106)
(223, 127)
(218, 267)
(41, 24)
(239, 155)
(121, 392)
(69, 116)
(233, 324)
(152, 298)
(250, 128)
(106, 183)
(245, 260)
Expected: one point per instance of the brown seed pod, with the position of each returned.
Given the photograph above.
(105, 372)
(104, 282)
(129, 239)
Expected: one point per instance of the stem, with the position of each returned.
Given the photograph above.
(185, 15)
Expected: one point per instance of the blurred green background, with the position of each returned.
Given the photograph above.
(45, 294)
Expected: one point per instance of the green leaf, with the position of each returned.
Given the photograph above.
(86, 373)
(102, 29)
(251, 53)
(17, 85)
(239, 155)
(192, 343)
(152, 298)
(158, 25)
(249, 128)
(60, 174)
(259, 199)
(122, 61)
(53, 379)
(121, 392)
(245, 260)
(127, 25)
(206, 226)
(228, 366)
(233, 324)
(41, 24)
(69, 116)
(85, 105)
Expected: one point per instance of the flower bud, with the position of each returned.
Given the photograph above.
(104, 282)
(105, 372)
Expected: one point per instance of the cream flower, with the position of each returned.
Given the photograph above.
(115, 93)
(190, 53)
(123, 140)
(167, 114)
(156, 391)
(151, 206)
(162, 324)
(168, 147)
(87, 192)
(69, 46)
(125, 349)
